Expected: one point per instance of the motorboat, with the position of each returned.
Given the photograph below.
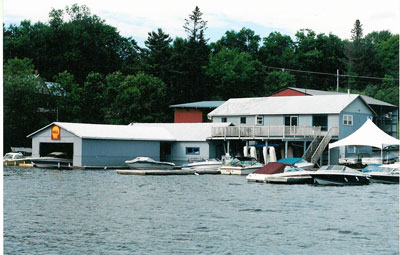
(376, 158)
(14, 159)
(143, 163)
(299, 162)
(209, 164)
(241, 166)
(53, 160)
(352, 159)
(383, 173)
(282, 173)
(339, 175)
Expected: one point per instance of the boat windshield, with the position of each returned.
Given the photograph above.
(333, 167)
(8, 156)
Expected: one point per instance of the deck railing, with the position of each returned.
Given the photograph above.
(266, 132)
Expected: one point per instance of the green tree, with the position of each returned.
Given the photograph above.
(23, 94)
(245, 41)
(277, 51)
(141, 99)
(93, 99)
(235, 74)
(278, 80)
(357, 31)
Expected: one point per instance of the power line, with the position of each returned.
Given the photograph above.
(330, 74)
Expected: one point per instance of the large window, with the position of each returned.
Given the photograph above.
(192, 150)
(242, 120)
(321, 121)
(348, 120)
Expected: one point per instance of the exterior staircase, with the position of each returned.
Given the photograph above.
(317, 146)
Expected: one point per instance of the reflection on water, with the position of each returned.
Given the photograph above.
(100, 212)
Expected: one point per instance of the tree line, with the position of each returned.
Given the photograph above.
(77, 68)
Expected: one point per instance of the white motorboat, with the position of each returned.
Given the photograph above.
(53, 160)
(383, 173)
(241, 166)
(144, 163)
(339, 175)
(14, 159)
(209, 164)
(299, 162)
(277, 172)
(376, 158)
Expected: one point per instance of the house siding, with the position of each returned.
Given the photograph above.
(97, 152)
(178, 151)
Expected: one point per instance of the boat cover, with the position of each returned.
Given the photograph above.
(272, 168)
(290, 161)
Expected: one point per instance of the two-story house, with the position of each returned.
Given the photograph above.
(296, 125)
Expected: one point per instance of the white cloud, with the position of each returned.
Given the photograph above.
(137, 18)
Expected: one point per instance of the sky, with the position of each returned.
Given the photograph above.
(136, 18)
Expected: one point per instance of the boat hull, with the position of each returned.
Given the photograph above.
(384, 178)
(150, 166)
(229, 170)
(340, 179)
(205, 166)
(290, 180)
(51, 164)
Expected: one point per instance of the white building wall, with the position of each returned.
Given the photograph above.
(65, 137)
(178, 152)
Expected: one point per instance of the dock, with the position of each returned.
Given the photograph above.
(167, 172)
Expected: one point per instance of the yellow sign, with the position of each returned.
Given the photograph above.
(55, 133)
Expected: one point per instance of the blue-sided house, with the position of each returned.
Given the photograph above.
(110, 145)
(299, 126)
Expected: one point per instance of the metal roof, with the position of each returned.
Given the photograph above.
(367, 99)
(139, 131)
(202, 104)
(328, 104)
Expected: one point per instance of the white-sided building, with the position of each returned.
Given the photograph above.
(110, 145)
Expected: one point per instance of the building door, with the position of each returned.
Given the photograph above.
(292, 123)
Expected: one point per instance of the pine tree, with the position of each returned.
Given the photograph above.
(357, 31)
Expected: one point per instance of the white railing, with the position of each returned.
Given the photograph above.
(266, 131)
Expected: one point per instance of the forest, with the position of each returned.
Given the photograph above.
(77, 68)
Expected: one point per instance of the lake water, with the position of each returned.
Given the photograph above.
(101, 212)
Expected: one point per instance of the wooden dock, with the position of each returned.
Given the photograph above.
(167, 172)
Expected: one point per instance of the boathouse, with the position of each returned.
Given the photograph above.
(110, 145)
(299, 126)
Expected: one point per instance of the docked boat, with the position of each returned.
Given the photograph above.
(378, 157)
(53, 160)
(241, 166)
(143, 163)
(209, 164)
(383, 173)
(14, 159)
(299, 162)
(339, 175)
(281, 173)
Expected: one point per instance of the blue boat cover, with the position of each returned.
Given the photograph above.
(291, 161)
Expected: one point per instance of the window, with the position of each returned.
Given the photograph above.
(321, 121)
(223, 119)
(259, 120)
(348, 120)
(192, 150)
(291, 121)
(242, 120)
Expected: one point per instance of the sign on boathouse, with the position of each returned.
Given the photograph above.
(55, 133)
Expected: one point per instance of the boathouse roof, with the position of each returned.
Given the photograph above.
(139, 131)
(324, 104)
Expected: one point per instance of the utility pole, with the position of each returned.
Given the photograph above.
(337, 80)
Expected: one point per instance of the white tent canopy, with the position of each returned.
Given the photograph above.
(367, 135)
